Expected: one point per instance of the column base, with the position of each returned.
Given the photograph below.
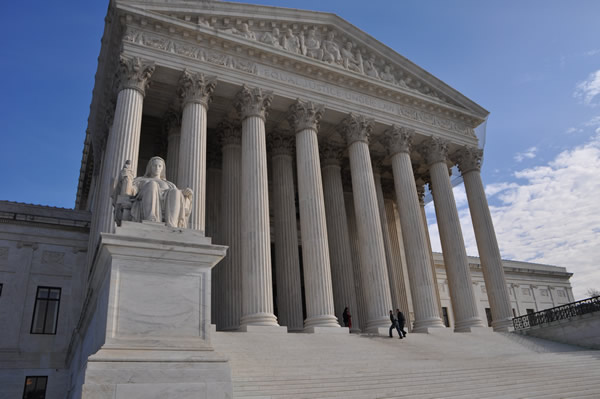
(468, 325)
(327, 321)
(259, 319)
(355, 330)
(423, 326)
(374, 324)
(251, 328)
(327, 330)
(505, 325)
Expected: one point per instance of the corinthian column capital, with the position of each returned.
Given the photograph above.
(398, 139)
(196, 88)
(468, 159)
(281, 144)
(331, 154)
(356, 128)
(230, 133)
(253, 102)
(305, 115)
(434, 150)
(134, 73)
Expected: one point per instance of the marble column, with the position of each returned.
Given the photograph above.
(392, 266)
(356, 129)
(399, 142)
(342, 272)
(356, 263)
(404, 299)
(287, 257)
(257, 289)
(469, 163)
(196, 90)
(172, 126)
(230, 268)
(464, 305)
(421, 193)
(124, 138)
(304, 118)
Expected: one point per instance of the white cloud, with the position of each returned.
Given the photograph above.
(530, 153)
(551, 217)
(592, 52)
(588, 89)
(572, 130)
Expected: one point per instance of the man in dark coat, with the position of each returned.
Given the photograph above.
(394, 325)
(401, 321)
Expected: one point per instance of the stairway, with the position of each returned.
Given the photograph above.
(439, 365)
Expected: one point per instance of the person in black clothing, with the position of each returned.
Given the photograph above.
(401, 321)
(394, 325)
(347, 318)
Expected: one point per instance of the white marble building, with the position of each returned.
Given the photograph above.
(308, 146)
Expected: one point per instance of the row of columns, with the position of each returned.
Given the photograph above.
(245, 213)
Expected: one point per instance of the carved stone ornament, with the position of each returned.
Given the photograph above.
(151, 197)
(253, 102)
(305, 115)
(356, 128)
(434, 150)
(230, 133)
(135, 73)
(331, 154)
(281, 144)
(398, 139)
(468, 159)
(196, 88)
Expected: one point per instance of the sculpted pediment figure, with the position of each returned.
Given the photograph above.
(151, 197)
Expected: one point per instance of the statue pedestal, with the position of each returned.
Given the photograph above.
(156, 282)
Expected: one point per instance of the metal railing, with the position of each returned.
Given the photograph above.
(558, 313)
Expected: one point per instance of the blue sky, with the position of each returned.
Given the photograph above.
(534, 65)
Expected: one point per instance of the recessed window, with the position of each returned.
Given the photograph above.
(35, 387)
(45, 312)
(1, 289)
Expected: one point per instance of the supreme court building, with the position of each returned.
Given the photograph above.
(309, 147)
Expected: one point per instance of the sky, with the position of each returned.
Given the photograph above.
(534, 65)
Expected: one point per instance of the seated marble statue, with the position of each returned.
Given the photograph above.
(151, 197)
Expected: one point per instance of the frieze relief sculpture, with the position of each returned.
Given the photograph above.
(151, 197)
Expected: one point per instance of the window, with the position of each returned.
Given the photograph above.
(45, 312)
(1, 289)
(445, 314)
(514, 313)
(488, 315)
(530, 311)
(35, 387)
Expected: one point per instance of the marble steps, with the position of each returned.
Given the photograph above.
(423, 366)
(400, 383)
(285, 372)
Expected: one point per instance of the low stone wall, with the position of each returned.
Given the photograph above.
(581, 330)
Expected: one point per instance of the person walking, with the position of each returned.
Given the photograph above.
(401, 320)
(394, 325)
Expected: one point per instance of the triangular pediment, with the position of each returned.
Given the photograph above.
(322, 41)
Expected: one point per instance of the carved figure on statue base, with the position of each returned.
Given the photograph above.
(151, 197)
